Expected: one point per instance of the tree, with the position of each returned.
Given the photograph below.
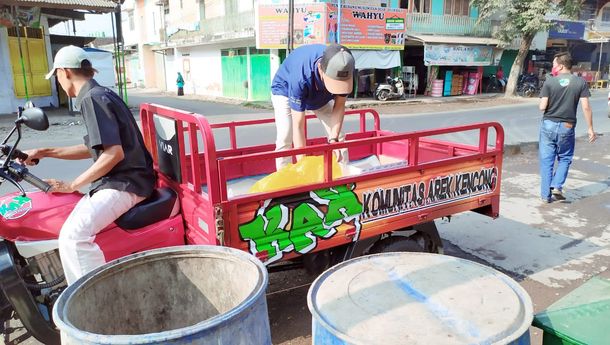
(523, 18)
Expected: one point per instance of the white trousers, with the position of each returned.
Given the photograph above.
(79, 254)
(283, 124)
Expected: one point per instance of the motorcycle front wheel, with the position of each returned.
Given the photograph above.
(383, 95)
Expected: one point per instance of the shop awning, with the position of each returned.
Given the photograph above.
(91, 5)
(382, 59)
(455, 40)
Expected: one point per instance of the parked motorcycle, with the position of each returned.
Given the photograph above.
(494, 85)
(528, 85)
(393, 88)
(31, 274)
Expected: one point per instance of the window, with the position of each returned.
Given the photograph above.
(606, 14)
(234, 52)
(422, 6)
(254, 51)
(457, 7)
(132, 24)
(587, 11)
(245, 5)
(214, 8)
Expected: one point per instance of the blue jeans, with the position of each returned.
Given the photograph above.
(556, 143)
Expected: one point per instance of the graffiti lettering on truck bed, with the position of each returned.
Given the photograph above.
(298, 223)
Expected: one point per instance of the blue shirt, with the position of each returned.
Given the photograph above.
(298, 79)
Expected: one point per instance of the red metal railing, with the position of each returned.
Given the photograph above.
(195, 124)
(233, 125)
(414, 138)
(215, 167)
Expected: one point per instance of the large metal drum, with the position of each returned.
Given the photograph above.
(179, 295)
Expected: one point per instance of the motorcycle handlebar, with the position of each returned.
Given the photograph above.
(35, 181)
(18, 154)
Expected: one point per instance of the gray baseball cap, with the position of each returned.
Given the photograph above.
(68, 57)
(337, 66)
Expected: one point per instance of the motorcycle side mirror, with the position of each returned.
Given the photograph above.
(35, 118)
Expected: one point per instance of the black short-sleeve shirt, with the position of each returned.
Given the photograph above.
(564, 91)
(110, 122)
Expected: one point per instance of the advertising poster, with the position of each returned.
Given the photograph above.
(365, 27)
(567, 30)
(29, 17)
(457, 55)
(362, 27)
(309, 25)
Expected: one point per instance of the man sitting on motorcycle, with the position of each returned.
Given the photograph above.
(121, 176)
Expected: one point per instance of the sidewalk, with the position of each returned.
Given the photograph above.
(352, 103)
(60, 116)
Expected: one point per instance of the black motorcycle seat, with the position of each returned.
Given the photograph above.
(162, 204)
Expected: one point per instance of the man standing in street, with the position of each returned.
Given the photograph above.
(313, 77)
(559, 102)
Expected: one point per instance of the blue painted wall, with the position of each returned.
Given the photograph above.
(474, 12)
(438, 7)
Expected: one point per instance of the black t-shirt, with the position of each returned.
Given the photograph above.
(564, 91)
(109, 122)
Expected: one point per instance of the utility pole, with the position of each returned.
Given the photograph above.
(118, 35)
(290, 42)
(602, 39)
(339, 22)
(599, 65)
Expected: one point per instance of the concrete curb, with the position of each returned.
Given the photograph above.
(519, 148)
(516, 149)
(351, 104)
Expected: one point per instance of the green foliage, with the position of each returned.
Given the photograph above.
(525, 17)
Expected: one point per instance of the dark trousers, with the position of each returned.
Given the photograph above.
(180, 91)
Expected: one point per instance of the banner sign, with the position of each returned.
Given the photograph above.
(362, 27)
(29, 17)
(309, 25)
(567, 30)
(300, 223)
(458, 55)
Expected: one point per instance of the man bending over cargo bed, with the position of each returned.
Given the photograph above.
(317, 78)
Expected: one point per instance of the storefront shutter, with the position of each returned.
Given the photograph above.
(35, 63)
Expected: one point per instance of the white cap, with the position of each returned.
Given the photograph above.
(68, 57)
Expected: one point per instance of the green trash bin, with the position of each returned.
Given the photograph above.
(581, 318)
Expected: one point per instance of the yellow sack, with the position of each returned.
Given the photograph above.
(308, 170)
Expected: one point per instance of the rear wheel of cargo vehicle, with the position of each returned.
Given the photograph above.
(383, 95)
(413, 243)
(6, 310)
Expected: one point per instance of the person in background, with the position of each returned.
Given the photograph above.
(608, 104)
(313, 77)
(180, 84)
(559, 100)
(501, 79)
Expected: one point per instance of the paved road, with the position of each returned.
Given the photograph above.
(549, 249)
(208, 108)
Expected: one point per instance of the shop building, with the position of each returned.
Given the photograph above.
(26, 48)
